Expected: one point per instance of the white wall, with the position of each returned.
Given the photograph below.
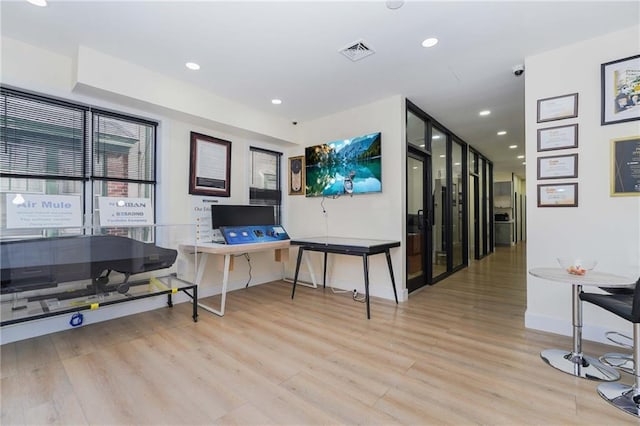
(601, 227)
(33, 69)
(376, 215)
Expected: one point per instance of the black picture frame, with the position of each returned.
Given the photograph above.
(620, 90)
(209, 166)
(558, 195)
(557, 108)
(558, 166)
(558, 137)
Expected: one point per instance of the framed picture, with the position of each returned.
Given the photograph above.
(560, 137)
(296, 175)
(620, 90)
(209, 166)
(558, 167)
(558, 195)
(558, 108)
(625, 167)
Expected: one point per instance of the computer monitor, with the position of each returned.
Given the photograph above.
(241, 215)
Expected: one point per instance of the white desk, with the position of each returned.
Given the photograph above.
(228, 251)
(575, 362)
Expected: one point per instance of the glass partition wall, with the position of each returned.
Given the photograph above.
(442, 191)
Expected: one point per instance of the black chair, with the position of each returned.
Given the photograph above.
(617, 360)
(627, 306)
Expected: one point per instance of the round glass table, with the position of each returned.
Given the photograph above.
(574, 362)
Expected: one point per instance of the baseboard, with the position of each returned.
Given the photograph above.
(564, 327)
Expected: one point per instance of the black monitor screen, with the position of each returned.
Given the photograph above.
(230, 215)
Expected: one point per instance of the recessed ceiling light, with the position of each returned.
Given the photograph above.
(415, 167)
(485, 112)
(394, 4)
(192, 66)
(422, 146)
(276, 101)
(502, 132)
(456, 164)
(524, 163)
(513, 146)
(520, 156)
(430, 42)
(435, 137)
(442, 156)
(41, 3)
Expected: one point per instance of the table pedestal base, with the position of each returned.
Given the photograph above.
(583, 366)
(621, 396)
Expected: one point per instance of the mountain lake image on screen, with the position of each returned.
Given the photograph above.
(345, 167)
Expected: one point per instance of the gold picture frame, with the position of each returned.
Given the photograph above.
(625, 169)
(296, 175)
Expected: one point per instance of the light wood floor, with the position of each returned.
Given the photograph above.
(455, 353)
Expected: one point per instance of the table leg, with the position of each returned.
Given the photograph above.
(195, 303)
(575, 362)
(393, 281)
(225, 282)
(295, 276)
(324, 272)
(365, 262)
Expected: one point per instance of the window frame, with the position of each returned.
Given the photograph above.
(87, 177)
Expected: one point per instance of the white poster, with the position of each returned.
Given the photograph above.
(43, 211)
(118, 211)
(201, 216)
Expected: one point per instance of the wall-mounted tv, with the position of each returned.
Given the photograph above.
(350, 166)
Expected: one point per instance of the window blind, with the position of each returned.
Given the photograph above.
(265, 181)
(123, 148)
(41, 138)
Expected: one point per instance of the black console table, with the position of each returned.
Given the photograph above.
(349, 246)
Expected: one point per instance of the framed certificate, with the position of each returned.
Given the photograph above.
(625, 167)
(558, 195)
(560, 137)
(210, 166)
(558, 167)
(558, 108)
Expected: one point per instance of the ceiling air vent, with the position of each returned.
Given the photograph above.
(357, 50)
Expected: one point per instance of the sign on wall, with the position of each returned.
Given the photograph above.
(43, 211)
(118, 211)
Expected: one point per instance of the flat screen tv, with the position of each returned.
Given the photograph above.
(241, 215)
(350, 166)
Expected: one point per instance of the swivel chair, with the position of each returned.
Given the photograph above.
(627, 306)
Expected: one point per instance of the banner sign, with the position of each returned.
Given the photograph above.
(117, 211)
(43, 211)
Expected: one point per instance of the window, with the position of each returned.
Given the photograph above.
(123, 151)
(265, 180)
(52, 147)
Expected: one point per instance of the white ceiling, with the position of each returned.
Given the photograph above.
(252, 52)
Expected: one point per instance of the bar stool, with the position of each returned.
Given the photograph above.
(627, 306)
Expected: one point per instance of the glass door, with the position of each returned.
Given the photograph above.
(416, 221)
(440, 217)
